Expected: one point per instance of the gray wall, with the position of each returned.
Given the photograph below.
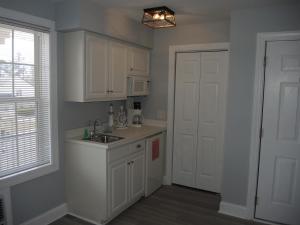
(244, 26)
(155, 105)
(88, 15)
(42, 8)
(37, 196)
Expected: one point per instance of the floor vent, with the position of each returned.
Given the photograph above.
(5, 207)
(2, 211)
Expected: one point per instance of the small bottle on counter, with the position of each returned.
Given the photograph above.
(86, 134)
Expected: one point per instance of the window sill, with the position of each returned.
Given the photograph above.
(27, 175)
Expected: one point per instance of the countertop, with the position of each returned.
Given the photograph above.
(131, 134)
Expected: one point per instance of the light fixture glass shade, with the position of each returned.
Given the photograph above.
(159, 17)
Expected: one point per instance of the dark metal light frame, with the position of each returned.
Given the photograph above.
(159, 17)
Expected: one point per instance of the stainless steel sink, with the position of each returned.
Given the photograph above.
(104, 138)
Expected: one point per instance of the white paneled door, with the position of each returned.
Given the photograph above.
(186, 118)
(213, 84)
(200, 100)
(279, 170)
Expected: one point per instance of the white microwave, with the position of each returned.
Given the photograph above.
(137, 86)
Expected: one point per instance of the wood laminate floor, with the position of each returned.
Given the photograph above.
(171, 205)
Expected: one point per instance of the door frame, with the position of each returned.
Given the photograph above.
(258, 94)
(173, 49)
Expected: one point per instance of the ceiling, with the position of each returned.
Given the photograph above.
(189, 11)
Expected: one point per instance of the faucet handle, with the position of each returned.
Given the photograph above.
(92, 134)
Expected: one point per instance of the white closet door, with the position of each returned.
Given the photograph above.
(186, 118)
(279, 170)
(213, 85)
(200, 100)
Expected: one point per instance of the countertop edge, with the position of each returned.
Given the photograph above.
(127, 140)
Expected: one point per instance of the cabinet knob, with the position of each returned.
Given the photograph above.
(128, 163)
(138, 146)
(131, 69)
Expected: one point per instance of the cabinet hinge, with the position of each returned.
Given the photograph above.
(261, 133)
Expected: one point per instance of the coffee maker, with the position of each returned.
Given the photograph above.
(136, 115)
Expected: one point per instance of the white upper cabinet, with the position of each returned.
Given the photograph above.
(118, 70)
(138, 61)
(95, 68)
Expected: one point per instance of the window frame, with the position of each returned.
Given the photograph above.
(39, 171)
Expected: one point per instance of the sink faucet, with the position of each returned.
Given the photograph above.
(96, 123)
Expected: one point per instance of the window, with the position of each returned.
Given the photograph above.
(25, 130)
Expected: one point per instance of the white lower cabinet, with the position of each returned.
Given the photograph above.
(119, 174)
(127, 181)
(137, 178)
(102, 182)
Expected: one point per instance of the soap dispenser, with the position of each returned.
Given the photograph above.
(110, 118)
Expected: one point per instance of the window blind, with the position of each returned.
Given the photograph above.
(25, 137)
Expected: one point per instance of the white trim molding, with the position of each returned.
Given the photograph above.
(26, 18)
(171, 92)
(233, 210)
(49, 216)
(262, 39)
(54, 165)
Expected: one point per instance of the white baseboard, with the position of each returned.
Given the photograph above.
(84, 219)
(49, 216)
(234, 210)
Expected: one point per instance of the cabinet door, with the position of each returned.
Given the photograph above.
(138, 61)
(137, 176)
(118, 186)
(96, 67)
(118, 70)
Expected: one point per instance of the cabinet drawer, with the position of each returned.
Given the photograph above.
(137, 146)
(118, 153)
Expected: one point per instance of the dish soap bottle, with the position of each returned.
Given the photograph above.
(110, 118)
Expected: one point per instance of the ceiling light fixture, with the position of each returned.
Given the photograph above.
(159, 17)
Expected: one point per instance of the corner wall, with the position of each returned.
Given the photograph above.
(244, 26)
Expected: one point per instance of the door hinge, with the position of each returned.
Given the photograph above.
(256, 200)
(261, 133)
(265, 61)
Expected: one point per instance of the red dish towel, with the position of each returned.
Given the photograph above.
(155, 149)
